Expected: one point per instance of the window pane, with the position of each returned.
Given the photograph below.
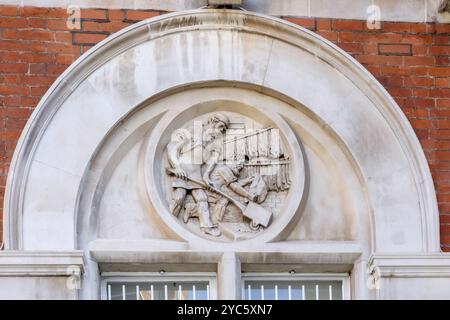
(292, 289)
(174, 290)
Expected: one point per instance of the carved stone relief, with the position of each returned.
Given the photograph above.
(228, 174)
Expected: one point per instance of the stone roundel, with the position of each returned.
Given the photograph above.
(224, 171)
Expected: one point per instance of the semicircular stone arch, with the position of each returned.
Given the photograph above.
(77, 180)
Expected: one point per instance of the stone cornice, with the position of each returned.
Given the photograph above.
(152, 251)
(410, 265)
(40, 263)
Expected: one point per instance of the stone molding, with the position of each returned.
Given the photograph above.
(35, 263)
(411, 265)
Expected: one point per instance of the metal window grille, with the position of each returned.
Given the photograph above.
(314, 287)
(158, 288)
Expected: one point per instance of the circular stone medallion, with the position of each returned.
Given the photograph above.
(224, 171)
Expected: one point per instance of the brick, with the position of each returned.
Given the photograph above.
(116, 15)
(37, 57)
(29, 102)
(442, 60)
(20, 113)
(442, 82)
(7, 22)
(442, 39)
(13, 78)
(37, 35)
(13, 89)
(395, 27)
(95, 14)
(444, 218)
(135, 15)
(439, 72)
(419, 94)
(13, 67)
(65, 59)
(418, 81)
(9, 56)
(15, 124)
(329, 35)
(445, 239)
(370, 48)
(395, 49)
(391, 81)
(94, 26)
(422, 124)
(308, 23)
(43, 12)
(323, 24)
(375, 70)
(381, 60)
(440, 50)
(9, 11)
(37, 23)
(88, 38)
(10, 101)
(445, 229)
(57, 24)
(440, 92)
(39, 80)
(422, 28)
(66, 48)
(57, 69)
(62, 36)
(351, 25)
(422, 102)
(418, 61)
(443, 28)
(86, 48)
(11, 135)
(38, 91)
(420, 50)
(352, 48)
(418, 39)
(369, 37)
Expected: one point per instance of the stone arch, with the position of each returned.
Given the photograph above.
(206, 50)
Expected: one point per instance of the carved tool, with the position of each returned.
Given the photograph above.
(258, 215)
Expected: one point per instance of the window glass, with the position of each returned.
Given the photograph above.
(148, 290)
(292, 290)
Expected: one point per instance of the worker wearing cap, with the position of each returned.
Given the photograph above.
(187, 154)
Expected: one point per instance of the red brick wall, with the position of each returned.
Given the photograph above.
(412, 60)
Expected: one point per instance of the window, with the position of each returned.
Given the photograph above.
(294, 287)
(154, 286)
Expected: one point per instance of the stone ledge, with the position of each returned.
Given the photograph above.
(421, 265)
(41, 263)
(159, 251)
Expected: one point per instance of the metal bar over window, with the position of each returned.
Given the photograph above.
(279, 288)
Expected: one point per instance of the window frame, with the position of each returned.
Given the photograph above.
(262, 276)
(155, 277)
